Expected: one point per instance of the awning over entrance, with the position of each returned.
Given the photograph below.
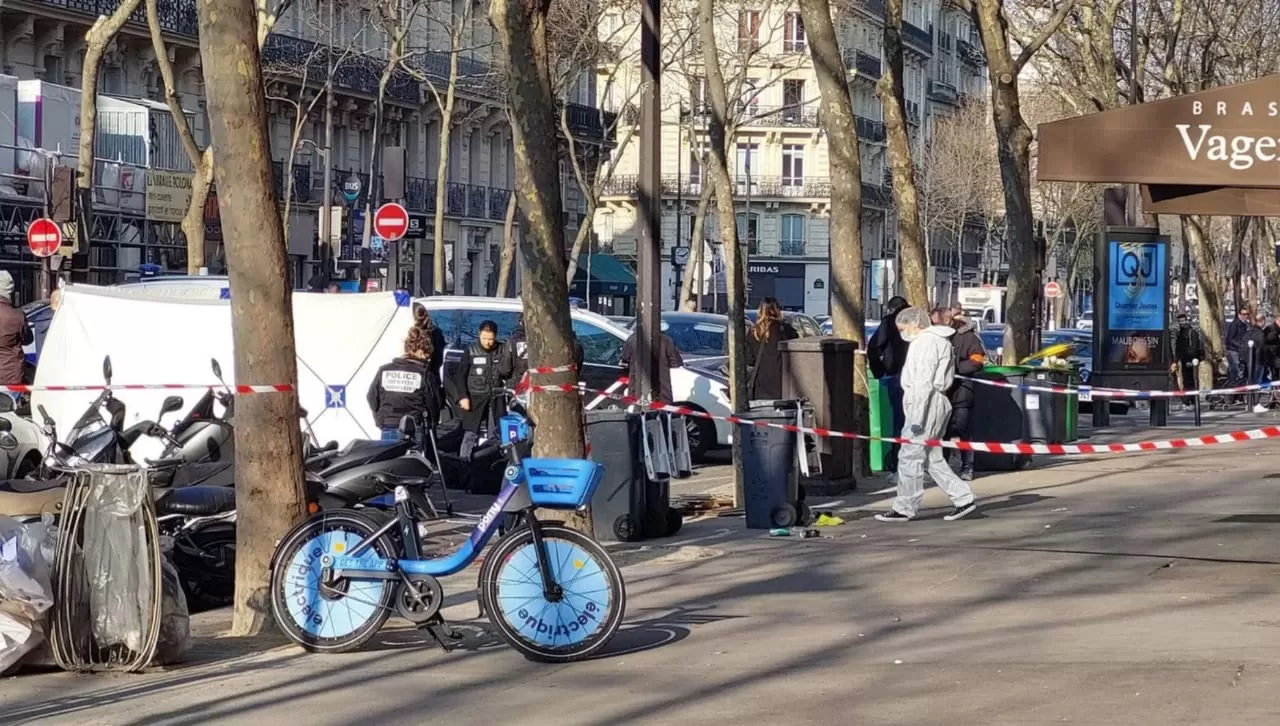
(608, 276)
(1212, 152)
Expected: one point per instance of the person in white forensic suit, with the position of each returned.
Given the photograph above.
(927, 375)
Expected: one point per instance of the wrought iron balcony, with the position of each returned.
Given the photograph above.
(498, 201)
(420, 194)
(792, 248)
(286, 55)
(864, 64)
(477, 201)
(176, 16)
(590, 124)
(869, 129)
(970, 53)
(474, 77)
(795, 46)
(301, 191)
(782, 116)
(877, 196)
(455, 197)
(944, 92)
(918, 38)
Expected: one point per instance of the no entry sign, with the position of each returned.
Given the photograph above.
(1052, 290)
(44, 237)
(391, 222)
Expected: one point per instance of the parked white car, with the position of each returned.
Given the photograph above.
(1086, 321)
(459, 319)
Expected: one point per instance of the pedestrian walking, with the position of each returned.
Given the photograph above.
(1188, 349)
(1236, 335)
(14, 334)
(477, 387)
(668, 356)
(927, 374)
(970, 356)
(407, 386)
(886, 352)
(764, 356)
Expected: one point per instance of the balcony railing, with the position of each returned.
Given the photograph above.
(865, 64)
(791, 248)
(795, 46)
(917, 37)
(795, 115)
(970, 53)
(944, 92)
(869, 129)
(301, 190)
(420, 194)
(176, 16)
(477, 201)
(455, 199)
(498, 200)
(285, 55)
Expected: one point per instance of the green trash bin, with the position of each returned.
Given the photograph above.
(1054, 416)
(881, 415)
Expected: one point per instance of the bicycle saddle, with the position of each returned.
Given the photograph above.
(393, 480)
(29, 486)
(197, 501)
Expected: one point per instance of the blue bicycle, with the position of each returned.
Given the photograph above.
(551, 592)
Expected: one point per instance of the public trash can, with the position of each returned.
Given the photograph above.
(626, 501)
(1052, 417)
(999, 414)
(770, 469)
(881, 421)
(820, 371)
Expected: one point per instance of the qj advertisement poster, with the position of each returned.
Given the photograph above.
(1137, 305)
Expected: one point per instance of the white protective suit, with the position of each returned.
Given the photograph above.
(927, 374)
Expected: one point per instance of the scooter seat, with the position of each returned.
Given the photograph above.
(197, 501)
(29, 486)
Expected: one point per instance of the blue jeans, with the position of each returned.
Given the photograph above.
(1234, 373)
(894, 384)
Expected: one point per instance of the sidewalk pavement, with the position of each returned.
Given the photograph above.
(1135, 589)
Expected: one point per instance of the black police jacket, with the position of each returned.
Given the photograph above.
(404, 387)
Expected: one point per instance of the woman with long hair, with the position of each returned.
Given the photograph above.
(407, 386)
(764, 357)
(423, 322)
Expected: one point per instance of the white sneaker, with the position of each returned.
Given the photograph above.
(1260, 408)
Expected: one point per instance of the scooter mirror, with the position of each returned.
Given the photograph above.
(44, 415)
(106, 370)
(5, 425)
(171, 404)
(217, 369)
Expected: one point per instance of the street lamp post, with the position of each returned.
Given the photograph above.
(649, 263)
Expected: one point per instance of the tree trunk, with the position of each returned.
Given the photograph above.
(1270, 268)
(1208, 296)
(913, 257)
(1013, 146)
(848, 314)
(698, 250)
(269, 490)
(508, 248)
(95, 44)
(726, 217)
(193, 222)
(442, 171)
(521, 27)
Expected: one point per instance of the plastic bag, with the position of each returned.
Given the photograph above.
(117, 559)
(26, 554)
(175, 619)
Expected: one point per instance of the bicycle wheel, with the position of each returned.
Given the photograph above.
(341, 616)
(573, 627)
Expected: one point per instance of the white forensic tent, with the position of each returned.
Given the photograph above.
(341, 341)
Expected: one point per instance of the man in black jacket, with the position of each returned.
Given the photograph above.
(668, 357)
(886, 352)
(1188, 349)
(1237, 334)
(477, 384)
(970, 357)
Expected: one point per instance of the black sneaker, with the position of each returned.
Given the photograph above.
(961, 512)
(892, 516)
(966, 474)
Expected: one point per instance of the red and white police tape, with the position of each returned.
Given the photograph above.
(237, 389)
(994, 447)
(1120, 392)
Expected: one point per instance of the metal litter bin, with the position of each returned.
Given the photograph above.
(770, 468)
(633, 499)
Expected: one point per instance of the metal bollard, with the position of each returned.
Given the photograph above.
(1195, 363)
(1249, 398)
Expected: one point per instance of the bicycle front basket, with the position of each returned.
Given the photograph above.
(562, 483)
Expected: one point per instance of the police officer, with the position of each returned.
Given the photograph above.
(478, 385)
(515, 357)
(407, 386)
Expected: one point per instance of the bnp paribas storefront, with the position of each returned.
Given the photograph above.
(798, 286)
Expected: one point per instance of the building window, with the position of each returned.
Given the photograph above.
(792, 238)
(747, 155)
(792, 169)
(748, 31)
(792, 100)
(793, 34)
(697, 160)
(749, 98)
(749, 232)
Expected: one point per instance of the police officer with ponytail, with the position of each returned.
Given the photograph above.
(407, 386)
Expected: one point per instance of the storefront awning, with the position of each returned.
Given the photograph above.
(608, 276)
